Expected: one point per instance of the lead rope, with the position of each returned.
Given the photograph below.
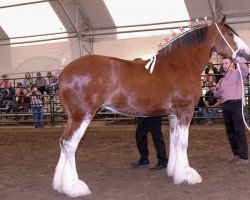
(242, 82)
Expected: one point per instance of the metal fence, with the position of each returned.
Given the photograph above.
(54, 113)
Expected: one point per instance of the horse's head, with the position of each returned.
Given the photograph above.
(228, 42)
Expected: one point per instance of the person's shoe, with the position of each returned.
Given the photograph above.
(157, 167)
(234, 159)
(242, 162)
(140, 163)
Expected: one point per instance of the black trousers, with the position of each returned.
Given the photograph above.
(152, 125)
(235, 128)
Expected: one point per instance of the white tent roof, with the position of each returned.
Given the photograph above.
(85, 18)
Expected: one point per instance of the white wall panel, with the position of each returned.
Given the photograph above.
(5, 60)
(129, 48)
(42, 57)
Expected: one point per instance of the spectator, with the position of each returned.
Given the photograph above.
(3, 85)
(36, 106)
(28, 89)
(23, 101)
(8, 98)
(40, 82)
(4, 82)
(220, 74)
(198, 111)
(211, 72)
(28, 81)
(48, 79)
(19, 85)
(211, 108)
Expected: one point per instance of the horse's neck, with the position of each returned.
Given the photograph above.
(195, 56)
(195, 61)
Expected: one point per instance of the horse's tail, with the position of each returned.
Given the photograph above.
(55, 81)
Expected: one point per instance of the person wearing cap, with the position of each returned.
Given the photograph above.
(230, 90)
(212, 104)
(36, 106)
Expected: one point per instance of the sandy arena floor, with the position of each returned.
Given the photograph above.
(29, 156)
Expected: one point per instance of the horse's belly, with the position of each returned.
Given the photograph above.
(136, 112)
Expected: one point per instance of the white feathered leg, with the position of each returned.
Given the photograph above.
(183, 173)
(172, 144)
(66, 178)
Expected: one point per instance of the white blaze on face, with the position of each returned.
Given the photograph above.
(241, 44)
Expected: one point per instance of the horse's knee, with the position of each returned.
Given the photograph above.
(69, 147)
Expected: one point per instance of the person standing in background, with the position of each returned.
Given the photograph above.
(36, 106)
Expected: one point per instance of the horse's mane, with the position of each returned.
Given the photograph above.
(192, 37)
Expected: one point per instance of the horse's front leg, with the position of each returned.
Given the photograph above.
(172, 144)
(178, 165)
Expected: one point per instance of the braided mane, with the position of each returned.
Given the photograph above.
(192, 37)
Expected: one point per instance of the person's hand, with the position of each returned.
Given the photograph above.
(241, 60)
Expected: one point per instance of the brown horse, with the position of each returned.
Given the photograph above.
(168, 84)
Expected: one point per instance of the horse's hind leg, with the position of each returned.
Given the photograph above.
(178, 165)
(66, 178)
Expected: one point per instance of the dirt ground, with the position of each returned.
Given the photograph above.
(29, 157)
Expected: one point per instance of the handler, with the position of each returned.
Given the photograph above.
(230, 90)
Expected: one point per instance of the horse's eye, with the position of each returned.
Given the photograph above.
(230, 34)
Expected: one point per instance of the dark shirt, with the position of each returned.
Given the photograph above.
(200, 104)
(209, 96)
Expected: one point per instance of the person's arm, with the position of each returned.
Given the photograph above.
(218, 102)
(217, 90)
(243, 67)
(206, 103)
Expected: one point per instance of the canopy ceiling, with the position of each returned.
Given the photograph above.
(91, 19)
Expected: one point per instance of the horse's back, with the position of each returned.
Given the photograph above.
(91, 62)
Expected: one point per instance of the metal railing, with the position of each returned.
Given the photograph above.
(54, 113)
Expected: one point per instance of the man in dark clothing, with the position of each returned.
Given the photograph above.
(198, 111)
(153, 125)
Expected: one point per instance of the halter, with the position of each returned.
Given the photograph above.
(234, 52)
(238, 67)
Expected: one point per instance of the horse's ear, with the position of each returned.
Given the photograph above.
(223, 19)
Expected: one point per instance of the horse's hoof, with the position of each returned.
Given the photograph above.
(79, 188)
(191, 177)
